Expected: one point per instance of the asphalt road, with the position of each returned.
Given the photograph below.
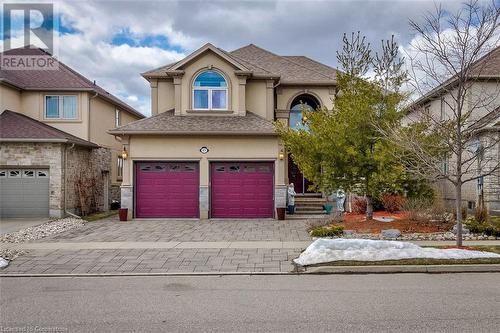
(321, 303)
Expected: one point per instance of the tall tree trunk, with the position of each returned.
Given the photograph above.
(369, 208)
(458, 207)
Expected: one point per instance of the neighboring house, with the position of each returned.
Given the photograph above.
(53, 134)
(209, 150)
(483, 100)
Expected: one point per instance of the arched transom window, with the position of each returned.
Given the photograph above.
(210, 91)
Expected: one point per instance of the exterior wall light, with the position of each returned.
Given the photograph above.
(124, 153)
(281, 155)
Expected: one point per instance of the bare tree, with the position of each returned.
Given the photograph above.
(451, 53)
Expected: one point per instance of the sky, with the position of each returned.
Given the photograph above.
(112, 42)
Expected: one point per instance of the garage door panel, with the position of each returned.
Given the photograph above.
(23, 193)
(242, 189)
(167, 189)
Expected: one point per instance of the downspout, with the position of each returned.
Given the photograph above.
(66, 148)
(88, 116)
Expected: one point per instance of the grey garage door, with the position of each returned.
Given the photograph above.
(24, 192)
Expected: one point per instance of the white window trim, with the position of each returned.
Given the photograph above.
(118, 118)
(209, 92)
(119, 168)
(60, 106)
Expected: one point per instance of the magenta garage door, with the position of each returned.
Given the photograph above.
(242, 189)
(167, 189)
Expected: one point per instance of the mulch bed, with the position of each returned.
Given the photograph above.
(359, 224)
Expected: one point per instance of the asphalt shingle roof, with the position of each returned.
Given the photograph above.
(290, 69)
(15, 126)
(63, 78)
(168, 123)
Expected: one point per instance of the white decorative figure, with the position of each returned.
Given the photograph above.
(340, 200)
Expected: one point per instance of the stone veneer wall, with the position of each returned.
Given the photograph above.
(47, 155)
(491, 183)
(94, 162)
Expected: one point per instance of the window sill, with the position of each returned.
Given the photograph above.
(210, 111)
(59, 120)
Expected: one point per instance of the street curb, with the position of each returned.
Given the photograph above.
(388, 269)
(395, 269)
(141, 274)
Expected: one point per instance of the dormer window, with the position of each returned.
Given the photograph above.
(210, 91)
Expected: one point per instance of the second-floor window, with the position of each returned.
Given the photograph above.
(210, 91)
(60, 107)
(118, 118)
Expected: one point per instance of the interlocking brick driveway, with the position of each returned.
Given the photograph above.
(167, 260)
(110, 230)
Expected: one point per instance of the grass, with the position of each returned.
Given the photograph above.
(99, 215)
(487, 248)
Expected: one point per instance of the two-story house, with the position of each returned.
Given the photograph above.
(210, 150)
(54, 147)
(482, 112)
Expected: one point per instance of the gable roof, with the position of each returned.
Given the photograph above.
(62, 78)
(292, 70)
(16, 127)
(167, 123)
(263, 64)
(487, 67)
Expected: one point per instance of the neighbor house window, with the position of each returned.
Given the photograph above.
(443, 105)
(119, 167)
(118, 118)
(210, 91)
(60, 107)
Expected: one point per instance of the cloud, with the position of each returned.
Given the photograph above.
(114, 41)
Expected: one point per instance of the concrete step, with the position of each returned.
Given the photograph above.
(310, 212)
(308, 208)
(305, 217)
(309, 199)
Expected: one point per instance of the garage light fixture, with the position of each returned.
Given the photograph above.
(124, 153)
(281, 154)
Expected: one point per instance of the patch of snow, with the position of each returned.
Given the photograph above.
(384, 218)
(3, 262)
(327, 250)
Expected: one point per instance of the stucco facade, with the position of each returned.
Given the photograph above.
(251, 91)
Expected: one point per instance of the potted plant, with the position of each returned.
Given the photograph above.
(123, 214)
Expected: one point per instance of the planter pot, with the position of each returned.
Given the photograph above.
(122, 213)
(328, 208)
(280, 213)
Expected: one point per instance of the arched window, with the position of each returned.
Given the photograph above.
(210, 91)
(300, 103)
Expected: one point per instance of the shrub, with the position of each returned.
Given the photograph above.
(393, 202)
(417, 208)
(359, 205)
(331, 231)
(488, 227)
(480, 214)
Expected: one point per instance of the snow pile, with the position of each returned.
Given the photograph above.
(326, 250)
(3, 262)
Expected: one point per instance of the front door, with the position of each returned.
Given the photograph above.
(295, 176)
